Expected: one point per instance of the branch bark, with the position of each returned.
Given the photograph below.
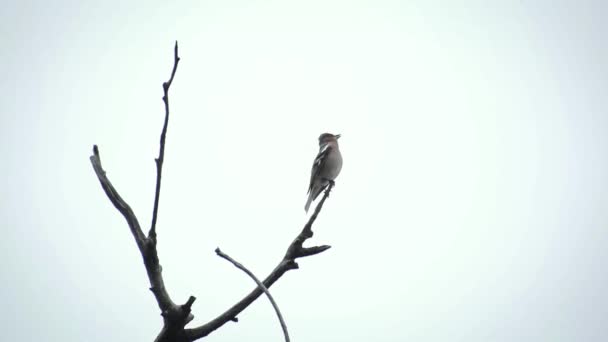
(261, 286)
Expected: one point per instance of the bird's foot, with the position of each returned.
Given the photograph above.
(331, 182)
(329, 186)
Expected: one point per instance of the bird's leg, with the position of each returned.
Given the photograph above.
(329, 186)
(330, 181)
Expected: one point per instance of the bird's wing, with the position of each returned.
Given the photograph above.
(317, 165)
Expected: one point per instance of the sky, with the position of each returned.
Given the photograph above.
(472, 204)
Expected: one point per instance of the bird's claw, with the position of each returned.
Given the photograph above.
(331, 182)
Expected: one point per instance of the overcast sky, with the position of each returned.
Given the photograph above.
(472, 205)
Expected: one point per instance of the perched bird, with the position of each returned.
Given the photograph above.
(326, 167)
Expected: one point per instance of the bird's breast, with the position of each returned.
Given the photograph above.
(333, 165)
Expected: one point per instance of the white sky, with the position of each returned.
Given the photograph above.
(472, 205)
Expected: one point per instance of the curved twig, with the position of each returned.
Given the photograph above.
(261, 285)
(294, 251)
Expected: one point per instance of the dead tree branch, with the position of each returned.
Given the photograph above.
(161, 152)
(175, 317)
(261, 286)
(294, 251)
(147, 250)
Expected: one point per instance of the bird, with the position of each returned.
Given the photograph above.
(326, 166)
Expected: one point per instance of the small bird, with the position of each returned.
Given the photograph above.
(326, 167)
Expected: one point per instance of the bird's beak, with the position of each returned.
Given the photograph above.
(337, 136)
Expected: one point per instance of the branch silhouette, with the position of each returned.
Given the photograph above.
(161, 152)
(294, 251)
(176, 317)
(261, 286)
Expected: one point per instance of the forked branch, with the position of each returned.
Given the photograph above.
(294, 251)
(175, 316)
(147, 250)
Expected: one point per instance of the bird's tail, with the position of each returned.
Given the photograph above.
(309, 201)
(313, 194)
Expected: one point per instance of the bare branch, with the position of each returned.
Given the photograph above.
(294, 251)
(161, 152)
(260, 285)
(175, 316)
(118, 202)
(147, 250)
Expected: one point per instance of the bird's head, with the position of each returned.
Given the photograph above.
(328, 137)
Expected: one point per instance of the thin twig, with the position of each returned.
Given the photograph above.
(294, 251)
(161, 152)
(261, 285)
